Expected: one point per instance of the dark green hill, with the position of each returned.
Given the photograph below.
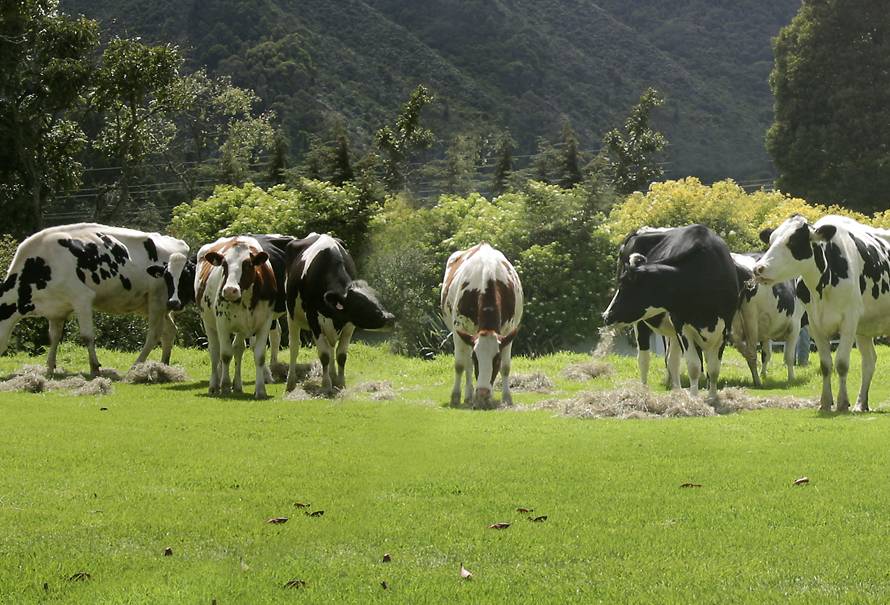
(525, 64)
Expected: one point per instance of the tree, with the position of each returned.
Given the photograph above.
(341, 168)
(503, 166)
(278, 162)
(45, 69)
(571, 168)
(398, 143)
(461, 159)
(547, 163)
(830, 139)
(634, 151)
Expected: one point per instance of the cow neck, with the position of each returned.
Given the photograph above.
(811, 274)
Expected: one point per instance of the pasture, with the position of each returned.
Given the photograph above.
(105, 492)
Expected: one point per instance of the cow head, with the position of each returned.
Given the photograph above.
(642, 288)
(487, 346)
(359, 305)
(790, 250)
(179, 275)
(239, 263)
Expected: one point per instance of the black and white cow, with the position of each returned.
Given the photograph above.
(845, 284)
(482, 304)
(86, 266)
(236, 292)
(324, 297)
(765, 313)
(689, 274)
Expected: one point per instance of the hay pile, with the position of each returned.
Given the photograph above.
(154, 372)
(536, 382)
(279, 371)
(380, 390)
(33, 379)
(636, 401)
(587, 370)
(607, 338)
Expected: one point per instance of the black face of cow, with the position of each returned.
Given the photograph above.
(362, 308)
(179, 277)
(639, 295)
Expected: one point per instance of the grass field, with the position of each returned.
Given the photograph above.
(165, 466)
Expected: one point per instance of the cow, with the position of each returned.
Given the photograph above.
(84, 267)
(845, 285)
(689, 274)
(236, 290)
(765, 313)
(325, 298)
(482, 303)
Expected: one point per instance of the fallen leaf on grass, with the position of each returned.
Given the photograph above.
(302, 504)
(168, 552)
(501, 525)
(691, 485)
(295, 583)
(522, 509)
(539, 519)
(277, 520)
(80, 576)
(465, 573)
(386, 557)
(802, 481)
(384, 585)
(315, 513)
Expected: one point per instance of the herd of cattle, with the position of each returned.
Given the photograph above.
(682, 283)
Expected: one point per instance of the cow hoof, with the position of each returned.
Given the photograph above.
(260, 396)
(843, 408)
(507, 399)
(861, 408)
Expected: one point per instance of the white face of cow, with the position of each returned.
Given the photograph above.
(173, 276)
(487, 353)
(238, 263)
(790, 251)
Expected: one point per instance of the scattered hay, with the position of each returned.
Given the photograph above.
(305, 371)
(279, 371)
(380, 390)
(154, 372)
(298, 394)
(607, 338)
(536, 382)
(588, 370)
(33, 379)
(636, 401)
(111, 374)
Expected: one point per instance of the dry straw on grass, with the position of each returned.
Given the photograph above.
(607, 338)
(380, 390)
(33, 379)
(279, 371)
(587, 370)
(636, 401)
(536, 382)
(154, 372)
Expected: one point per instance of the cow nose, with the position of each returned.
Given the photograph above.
(758, 269)
(231, 293)
(174, 305)
(389, 320)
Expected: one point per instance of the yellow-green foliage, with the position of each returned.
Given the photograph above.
(729, 210)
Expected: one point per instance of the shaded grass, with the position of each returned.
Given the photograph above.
(167, 466)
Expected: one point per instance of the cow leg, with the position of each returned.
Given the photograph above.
(293, 340)
(790, 351)
(238, 346)
(259, 358)
(56, 329)
(274, 341)
(462, 363)
(866, 346)
(766, 353)
(226, 352)
(642, 333)
(325, 357)
(342, 350)
(823, 346)
(168, 335)
(693, 364)
(744, 337)
(213, 350)
(88, 335)
(673, 356)
(842, 362)
(506, 397)
(712, 358)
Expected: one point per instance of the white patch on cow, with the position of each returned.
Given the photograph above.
(324, 242)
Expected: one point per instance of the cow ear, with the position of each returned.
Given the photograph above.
(503, 341)
(259, 258)
(334, 299)
(765, 235)
(214, 258)
(466, 338)
(156, 271)
(825, 232)
(636, 259)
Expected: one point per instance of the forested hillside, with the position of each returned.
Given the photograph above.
(522, 64)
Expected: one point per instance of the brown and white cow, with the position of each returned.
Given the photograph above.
(236, 291)
(482, 305)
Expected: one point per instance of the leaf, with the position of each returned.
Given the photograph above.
(103, 409)
(168, 552)
(384, 585)
(465, 573)
(386, 557)
(80, 576)
(539, 519)
(295, 583)
(691, 485)
(802, 481)
(315, 513)
(501, 525)
(522, 509)
(302, 504)
(277, 520)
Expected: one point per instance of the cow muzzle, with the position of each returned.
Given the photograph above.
(232, 293)
(174, 305)
(759, 277)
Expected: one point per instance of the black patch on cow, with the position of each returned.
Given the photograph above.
(157, 271)
(151, 249)
(799, 243)
(8, 284)
(784, 298)
(875, 266)
(836, 267)
(643, 334)
(125, 282)
(862, 284)
(803, 293)
(6, 311)
(35, 274)
(95, 261)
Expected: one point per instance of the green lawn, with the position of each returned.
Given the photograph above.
(106, 491)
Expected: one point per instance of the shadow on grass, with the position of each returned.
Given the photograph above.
(766, 384)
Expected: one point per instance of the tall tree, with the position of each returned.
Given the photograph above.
(571, 161)
(461, 160)
(341, 168)
(634, 151)
(503, 166)
(45, 69)
(399, 142)
(831, 136)
(278, 161)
